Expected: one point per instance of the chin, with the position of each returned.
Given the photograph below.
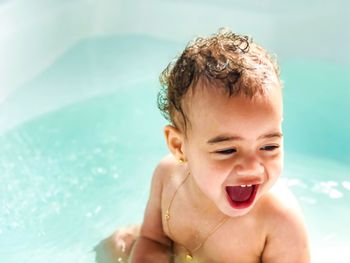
(231, 212)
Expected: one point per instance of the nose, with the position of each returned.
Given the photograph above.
(249, 166)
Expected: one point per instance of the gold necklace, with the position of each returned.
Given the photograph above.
(189, 254)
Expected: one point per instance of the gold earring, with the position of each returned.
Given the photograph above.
(181, 160)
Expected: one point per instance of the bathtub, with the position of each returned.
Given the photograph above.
(80, 133)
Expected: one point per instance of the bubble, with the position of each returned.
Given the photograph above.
(335, 194)
(329, 188)
(346, 185)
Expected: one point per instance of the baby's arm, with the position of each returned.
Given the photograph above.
(153, 245)
(287, 240)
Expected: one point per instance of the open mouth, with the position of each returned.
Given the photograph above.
(241, 196)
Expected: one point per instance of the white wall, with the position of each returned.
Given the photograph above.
(34, 33)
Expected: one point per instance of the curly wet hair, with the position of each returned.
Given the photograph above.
(225, 59)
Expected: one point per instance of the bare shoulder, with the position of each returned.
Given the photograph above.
(281, 200)
(161, 175)
(280, 204)
(151, 227)
(286, 239)
(164, 169)
(167, 162)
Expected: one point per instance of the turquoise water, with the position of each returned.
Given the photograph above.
(72, 175)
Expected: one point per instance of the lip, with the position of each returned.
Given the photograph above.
(245, 204)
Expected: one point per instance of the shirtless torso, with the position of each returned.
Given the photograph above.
(272, 227)
(241, 239)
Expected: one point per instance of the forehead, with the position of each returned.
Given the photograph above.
(211, 111)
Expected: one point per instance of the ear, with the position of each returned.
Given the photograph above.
(175, 141)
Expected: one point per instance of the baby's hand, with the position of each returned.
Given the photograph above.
(124, 238)
(117, 247)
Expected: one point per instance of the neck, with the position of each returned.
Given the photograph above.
(200, 200)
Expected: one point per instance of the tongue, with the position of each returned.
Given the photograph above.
(238, 193)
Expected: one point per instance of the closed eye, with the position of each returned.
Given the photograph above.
(227, 151)
(269, 148)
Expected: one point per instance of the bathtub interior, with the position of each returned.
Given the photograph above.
(81, 138)
(73, 175)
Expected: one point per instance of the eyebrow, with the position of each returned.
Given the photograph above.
(224, 138)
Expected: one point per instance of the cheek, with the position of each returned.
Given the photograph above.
(207, 174)
(275, 166)
(210, 179)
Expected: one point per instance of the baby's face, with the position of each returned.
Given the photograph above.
(234, 147)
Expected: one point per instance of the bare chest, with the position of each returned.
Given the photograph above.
(199, 234)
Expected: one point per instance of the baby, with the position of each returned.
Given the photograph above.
(216, 197)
